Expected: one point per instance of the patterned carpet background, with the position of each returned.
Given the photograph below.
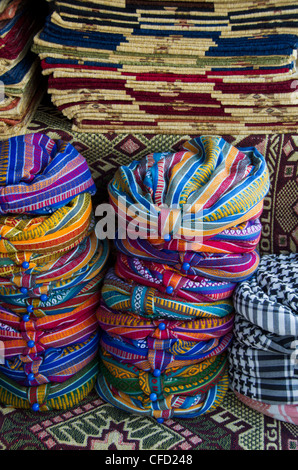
(95, 425)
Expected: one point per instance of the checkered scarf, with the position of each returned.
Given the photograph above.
(270, 299)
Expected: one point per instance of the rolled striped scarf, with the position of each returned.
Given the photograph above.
(30, 286)
(179, 406)
(189, 380)
(46, 233)
(124, 294)
(56, 396)
(280, 411)
(200, 289)
(217, 266)
(54, 365)
(60, 301)
(242, 238)
(270, 298)
(152, 354)
(57, 267)
(133, 327)
(39, 175)
(207, 187)
(26, 335)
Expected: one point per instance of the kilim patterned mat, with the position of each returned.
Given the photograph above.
(95, 425)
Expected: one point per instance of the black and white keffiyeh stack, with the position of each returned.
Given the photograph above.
(263, 359)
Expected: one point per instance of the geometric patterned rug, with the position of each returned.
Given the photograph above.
(95, 425)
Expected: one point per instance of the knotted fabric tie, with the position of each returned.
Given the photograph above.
(53, 365)
(168, 281)
(57, 396)
(218, 266)
(123, 294)
(179, 406)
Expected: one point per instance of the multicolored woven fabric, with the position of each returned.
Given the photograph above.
(181, 406)
(213, 67)
(51, 268)
(38, 175)
(23, 335)
(148, 302)
(50, 396)
(234, 266)
(280, 412)
(194, 194)
(129, 326)
(152, 354)
(55, 365)
(22, 85)
(200, 289)
(139, 384)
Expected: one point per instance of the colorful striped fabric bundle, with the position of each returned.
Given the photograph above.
(180, 67)
(166, 312)
(21, 81)
(51, 267)
(263, 355)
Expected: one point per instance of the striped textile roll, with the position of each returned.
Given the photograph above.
(54, 365)
(23, 335)
(179, 406)
(59, 302)
(207, 187)
(189, 380)
(240, 239)
(164, 279)
(151, 354)
(57, 267)
(137, 328)
(41, 234)
(149, 302)
(38, 175)
(217, 266)
(58, 396)
(38, 285)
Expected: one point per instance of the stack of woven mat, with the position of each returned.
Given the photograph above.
(188, 227)
(185, 67)
(21, 81)
(51, 267)
(263, 360)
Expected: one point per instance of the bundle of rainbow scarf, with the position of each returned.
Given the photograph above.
(188, 224)
(51, 268)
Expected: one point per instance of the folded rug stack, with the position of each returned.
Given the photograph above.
(51, 268)
(184, 67)
(187, 234)
(21, 81)
(263, 360)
